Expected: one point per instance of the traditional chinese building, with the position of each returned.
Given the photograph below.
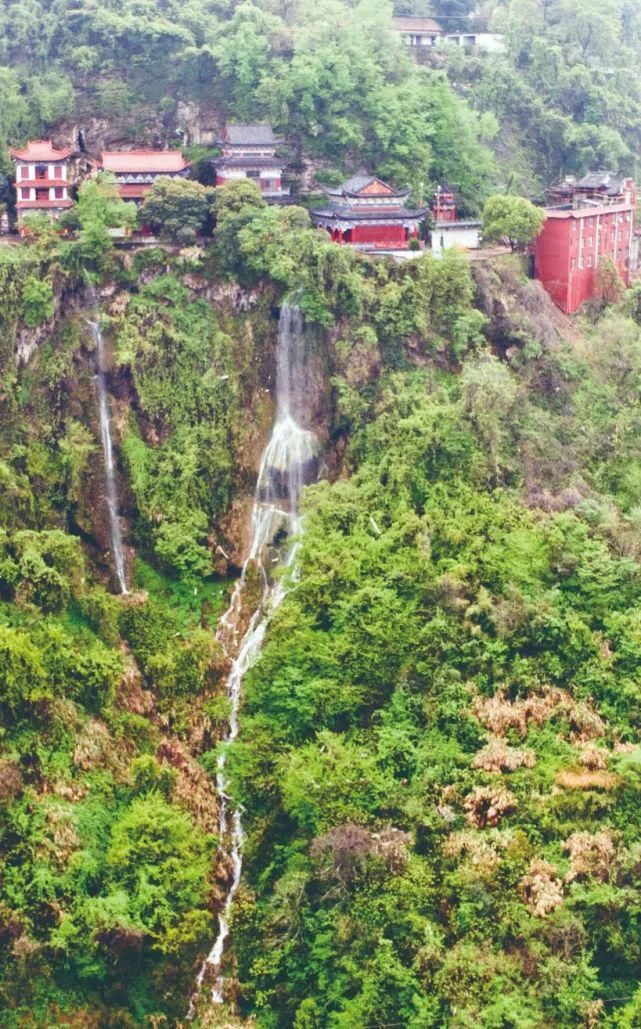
(586, 221)
(448, 231)
(42, 182)
(249, 152)
(137, 170)
(417, 31)
(420, 32)
(369, 213)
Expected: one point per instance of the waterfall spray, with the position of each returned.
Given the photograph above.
(288, 462)
(111, 489)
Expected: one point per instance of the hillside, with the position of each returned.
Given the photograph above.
(438, 757)
(320, 574)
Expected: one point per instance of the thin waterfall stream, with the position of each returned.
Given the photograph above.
(111, 487)
(288, 462)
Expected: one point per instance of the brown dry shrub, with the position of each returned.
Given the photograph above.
(97, 748)
(482, 852)
(496, 756)
(591, 855)
(487, 805)
(575, 780)
(343, 850)
(61, 838)
(391, 846)
(193, 789)
(541, 888)
(130, 694)
(592, 757)
(498, 713)
(11, 783)
(25, 947)
(585, 723)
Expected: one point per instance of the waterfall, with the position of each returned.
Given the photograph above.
(111, 489)
(288, 462)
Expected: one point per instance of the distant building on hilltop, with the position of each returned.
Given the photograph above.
(586, 221)
(448, 231)
(418, 31)
(249, 152)
(137, 170)
(42, 182)
(369, 213)
(425, 32)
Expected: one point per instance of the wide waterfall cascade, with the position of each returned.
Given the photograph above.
(111, 488)
(288, 462)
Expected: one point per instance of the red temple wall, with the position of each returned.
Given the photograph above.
(557, 250)
(385, 235)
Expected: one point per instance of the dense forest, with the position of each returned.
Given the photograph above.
(337, 83)
(439, 755)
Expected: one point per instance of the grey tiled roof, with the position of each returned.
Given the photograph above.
(247, 162)
(602, 180)
(257, 135)
(375, 213)
(356, 183)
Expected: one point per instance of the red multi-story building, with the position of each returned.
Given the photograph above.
(41, 179)
(249, 152)
(586, 222)
(137, 170)
(369, 213)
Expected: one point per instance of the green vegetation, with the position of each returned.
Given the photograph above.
(177, 208)
(439, 759)
(438, 743)
(514, 219)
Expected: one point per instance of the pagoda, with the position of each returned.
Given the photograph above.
(367, 212)
(137, 170)
(41, 179)
(249, 152)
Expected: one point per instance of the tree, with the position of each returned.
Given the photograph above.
(234, 197)
(177, 207)
(37, 301)
(159, 859)
(513, 218)
(609, 284)
(99, 208)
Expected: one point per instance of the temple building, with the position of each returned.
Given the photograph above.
(448, 231)
(42, 182)
(416, 31)
(249, 152)
(137, 170)
(369, 213)
(587, 221)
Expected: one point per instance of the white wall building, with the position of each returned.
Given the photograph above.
(465, 235)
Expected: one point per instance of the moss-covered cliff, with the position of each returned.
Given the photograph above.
(438, 749)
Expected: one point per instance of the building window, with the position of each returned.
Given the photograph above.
(253, 173)
(24, 171)
(42, 194)
(59, 193)
(589, 260)
(41, 171)
(25, 193)
(57, 171)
